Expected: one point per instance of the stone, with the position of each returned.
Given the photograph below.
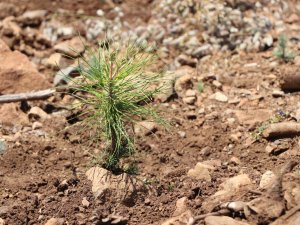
(33, 18)
(105, 183)
(145, 128)
(3, 146)
(267, 179)
(190, 93)
(222, 220)
(202, 170)
(19, 77)
(252, 117)
(11, 114)
(277, 93)
(54, 61)
(234, 184)
(85, 202)
(72, 48)
(185, 60)
(2, 222)
(220, 97)
(268, 41)
(202, 51)
(182, 84)
(55, 221)
(189, 100)
(235, 161)
(167, 87)
(36, 113)
(181, 206)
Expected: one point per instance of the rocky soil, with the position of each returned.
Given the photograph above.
(232, 154)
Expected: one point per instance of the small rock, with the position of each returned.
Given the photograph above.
(85, 202)
(234, 183)
(145, 128)
(182, 134)
(33, 18)
(36, 113)
(202, 170)
(267, 179)
(36, 125)
(190, 93)
(181, 206)
(73, 48)
(54, 61)
(277, 93)
(268, 41)
(55, 221)
(189, 100)
(202, 51)
(217, 84)
(185, 60)
(3, 146)
(219, 97)
(222, 220)
(2, 222)
(182, 84)
(100, 12)
(147, 201)
(235, 161)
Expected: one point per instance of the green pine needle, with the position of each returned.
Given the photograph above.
(118, 89)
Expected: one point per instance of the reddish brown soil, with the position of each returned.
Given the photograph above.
(37, 161)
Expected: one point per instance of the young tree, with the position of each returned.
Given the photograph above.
(118, 89)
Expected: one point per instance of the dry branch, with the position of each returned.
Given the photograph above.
(27, 96)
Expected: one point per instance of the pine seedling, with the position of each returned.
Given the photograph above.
(117, 89)
(282, 52)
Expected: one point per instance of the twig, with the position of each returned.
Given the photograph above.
(27, 96)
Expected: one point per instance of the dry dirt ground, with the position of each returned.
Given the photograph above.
(43, 170)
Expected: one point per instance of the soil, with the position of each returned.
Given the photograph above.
(38, 162)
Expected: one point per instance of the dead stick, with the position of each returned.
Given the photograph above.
(27, 96)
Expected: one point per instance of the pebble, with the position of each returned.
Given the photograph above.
(85, 202)
(55, 221)
(220, 97)
(3, 146)
(277, 93)
(267, 179)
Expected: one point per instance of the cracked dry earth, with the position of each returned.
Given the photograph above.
(231, 156)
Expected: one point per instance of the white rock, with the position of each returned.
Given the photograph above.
(277, 93)
(55, 221)
(267, 179)
(219, 97)
(36, 113)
